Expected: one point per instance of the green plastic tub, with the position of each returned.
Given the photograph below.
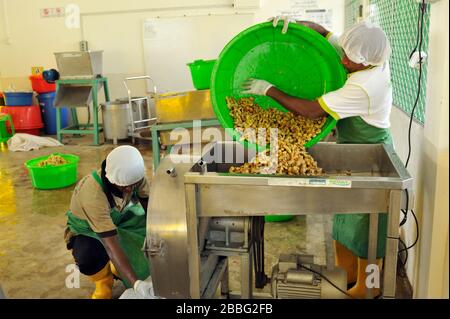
(301, 63)
(278, 218)
(52, 177)
(201, 71)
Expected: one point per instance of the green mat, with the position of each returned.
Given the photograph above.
(301, 63)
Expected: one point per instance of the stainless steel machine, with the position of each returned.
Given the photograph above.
(79, 84)
(200, 215)
(77, 66)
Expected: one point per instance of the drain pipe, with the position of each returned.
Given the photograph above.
(5, 18)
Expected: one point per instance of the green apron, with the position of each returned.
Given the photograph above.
(131, 229)
(352, 230)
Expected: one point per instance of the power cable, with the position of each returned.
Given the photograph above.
(419, 41)
(421, 16)
(405, 250)
(329, 281)
(417, 234)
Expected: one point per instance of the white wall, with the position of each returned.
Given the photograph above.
(435, 222)
(112, 26)
(34, 39)
(428, 262)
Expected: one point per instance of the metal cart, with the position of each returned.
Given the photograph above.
(141, 118)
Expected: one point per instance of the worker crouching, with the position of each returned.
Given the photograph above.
(106, 224)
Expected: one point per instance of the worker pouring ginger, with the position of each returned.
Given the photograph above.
(362, 108)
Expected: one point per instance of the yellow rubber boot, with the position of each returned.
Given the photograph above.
(345, 259)
(114, 270)
(359, 289)
(104, 281)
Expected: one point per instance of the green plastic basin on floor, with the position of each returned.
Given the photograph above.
(301, 63)
(52, 177)
(278, 218)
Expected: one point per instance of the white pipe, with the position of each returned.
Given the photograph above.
(5, 16)
(158, 9)
(81, 27)
(217, 6)
(203, 15)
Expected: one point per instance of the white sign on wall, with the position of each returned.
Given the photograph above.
(171, 43)
(309, 10)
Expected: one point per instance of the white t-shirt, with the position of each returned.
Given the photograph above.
(366, 93)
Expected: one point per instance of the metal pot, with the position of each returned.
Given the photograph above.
(116, 119)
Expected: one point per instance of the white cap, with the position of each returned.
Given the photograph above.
(366, 43)
(124, 166)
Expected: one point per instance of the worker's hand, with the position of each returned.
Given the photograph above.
(144, 289)
(285, 19)
(257, 87)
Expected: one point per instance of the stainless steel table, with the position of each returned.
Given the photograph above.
(184, 192)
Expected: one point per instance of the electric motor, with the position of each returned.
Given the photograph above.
(297, 277)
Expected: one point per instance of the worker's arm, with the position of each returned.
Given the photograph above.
(305, 108)
(287, 19)
(144, 203)
(119, 259)
(316, 27)
(143, 193)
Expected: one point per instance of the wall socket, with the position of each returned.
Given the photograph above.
(53, 12)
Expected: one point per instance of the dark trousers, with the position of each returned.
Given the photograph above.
(89, 254)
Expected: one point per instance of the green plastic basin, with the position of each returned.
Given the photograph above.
(301, 63)
(201, 71)
(278, 218)
(52, 177)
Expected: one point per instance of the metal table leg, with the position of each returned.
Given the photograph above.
(75, 123)
(106, 89)
(193, 259)
(155, 148)
(372, 249)
(58, 124)
(224, 285)
(390, 262)
(246, 275)
(95, 115)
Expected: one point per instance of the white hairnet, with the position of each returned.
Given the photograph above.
(366, 43)
(124, 166)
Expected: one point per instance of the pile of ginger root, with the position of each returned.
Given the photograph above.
(286, 157)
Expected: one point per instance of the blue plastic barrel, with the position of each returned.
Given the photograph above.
(49, 113)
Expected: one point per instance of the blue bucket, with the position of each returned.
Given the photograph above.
(18, 98)
(49, 113)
